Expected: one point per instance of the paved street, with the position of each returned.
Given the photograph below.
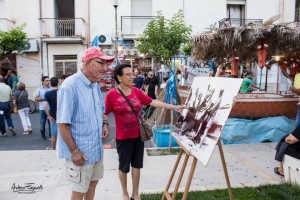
(34, 140)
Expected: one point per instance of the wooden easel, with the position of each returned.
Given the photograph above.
(167, 195)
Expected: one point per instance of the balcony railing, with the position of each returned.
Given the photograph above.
(62, 28)
(134, 25)
(6, 24)
(234, 22)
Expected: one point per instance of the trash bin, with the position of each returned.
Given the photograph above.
(161, 135)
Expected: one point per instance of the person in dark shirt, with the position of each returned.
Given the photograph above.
(51, 100)
(147, 81)
(138, 80)
(152, 92)
(288, 145)
(8, 78)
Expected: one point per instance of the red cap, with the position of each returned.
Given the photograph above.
(95, 52)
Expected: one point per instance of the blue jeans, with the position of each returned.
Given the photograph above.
(298, 117)
(53, 127)
(5, 108)
(43, 119)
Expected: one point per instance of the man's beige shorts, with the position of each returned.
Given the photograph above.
(81, 176)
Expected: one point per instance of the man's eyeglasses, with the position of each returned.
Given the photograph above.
(151, 74)
(104, 64)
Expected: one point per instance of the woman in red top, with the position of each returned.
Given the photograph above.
(129, 146)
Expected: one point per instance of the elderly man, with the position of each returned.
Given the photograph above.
(5, 107)
(81, 129)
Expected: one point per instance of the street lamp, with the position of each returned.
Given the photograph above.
(116, 3)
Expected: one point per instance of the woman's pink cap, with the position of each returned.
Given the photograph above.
(95, 52)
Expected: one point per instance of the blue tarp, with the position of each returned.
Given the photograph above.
(243, 131)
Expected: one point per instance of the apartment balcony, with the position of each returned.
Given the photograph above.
(6, 24)
(55, 30)
(235, 22)
(132, 26)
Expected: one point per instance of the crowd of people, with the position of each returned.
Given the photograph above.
(15, 98)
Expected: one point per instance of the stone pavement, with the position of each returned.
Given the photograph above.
(248, 165)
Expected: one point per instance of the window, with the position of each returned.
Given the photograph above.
(235, 11)
(235, 15)
(297, 11)
(65, 64)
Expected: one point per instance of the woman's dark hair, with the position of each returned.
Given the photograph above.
(119, 71)
(154, 80)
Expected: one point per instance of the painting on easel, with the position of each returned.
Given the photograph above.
(208, 105)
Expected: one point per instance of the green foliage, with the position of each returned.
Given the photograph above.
(162, 38)
(263, 192)
(187, 49)
(12, 40)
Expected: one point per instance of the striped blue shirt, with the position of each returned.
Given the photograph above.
(80, 105)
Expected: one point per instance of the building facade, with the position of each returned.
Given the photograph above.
(60, 30)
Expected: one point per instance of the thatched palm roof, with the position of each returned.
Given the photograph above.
(241, 41)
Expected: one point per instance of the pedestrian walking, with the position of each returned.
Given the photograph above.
(5, 108)
(130, 148)
(81, 128)
(22, 102)
(40, 97)
(15, 80)
(51, 102)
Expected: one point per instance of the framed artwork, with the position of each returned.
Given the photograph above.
(208, 105)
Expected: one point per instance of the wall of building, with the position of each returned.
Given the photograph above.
(63, 49)
(167, 7)
(102, 15)
(29, 71)
(257, 9)
(202, 14)
(25, 12)
(289, 10)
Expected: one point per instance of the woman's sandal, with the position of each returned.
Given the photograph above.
(277, 172)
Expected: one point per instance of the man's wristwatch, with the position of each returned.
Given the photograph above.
(105, 123)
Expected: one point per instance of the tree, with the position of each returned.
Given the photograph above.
(162, 38)
(12, 40)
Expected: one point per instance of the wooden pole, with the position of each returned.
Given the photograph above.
(171, 127)
(180, 176)
(225, 170)
(172, 174)
(189, 181)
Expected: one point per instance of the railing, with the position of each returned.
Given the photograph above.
(55, 27)
(6, 24)
(134, 25)
(234, 22)
(295, 24)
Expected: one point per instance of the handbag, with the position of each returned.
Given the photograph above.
(15, 107)
(144, 128)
